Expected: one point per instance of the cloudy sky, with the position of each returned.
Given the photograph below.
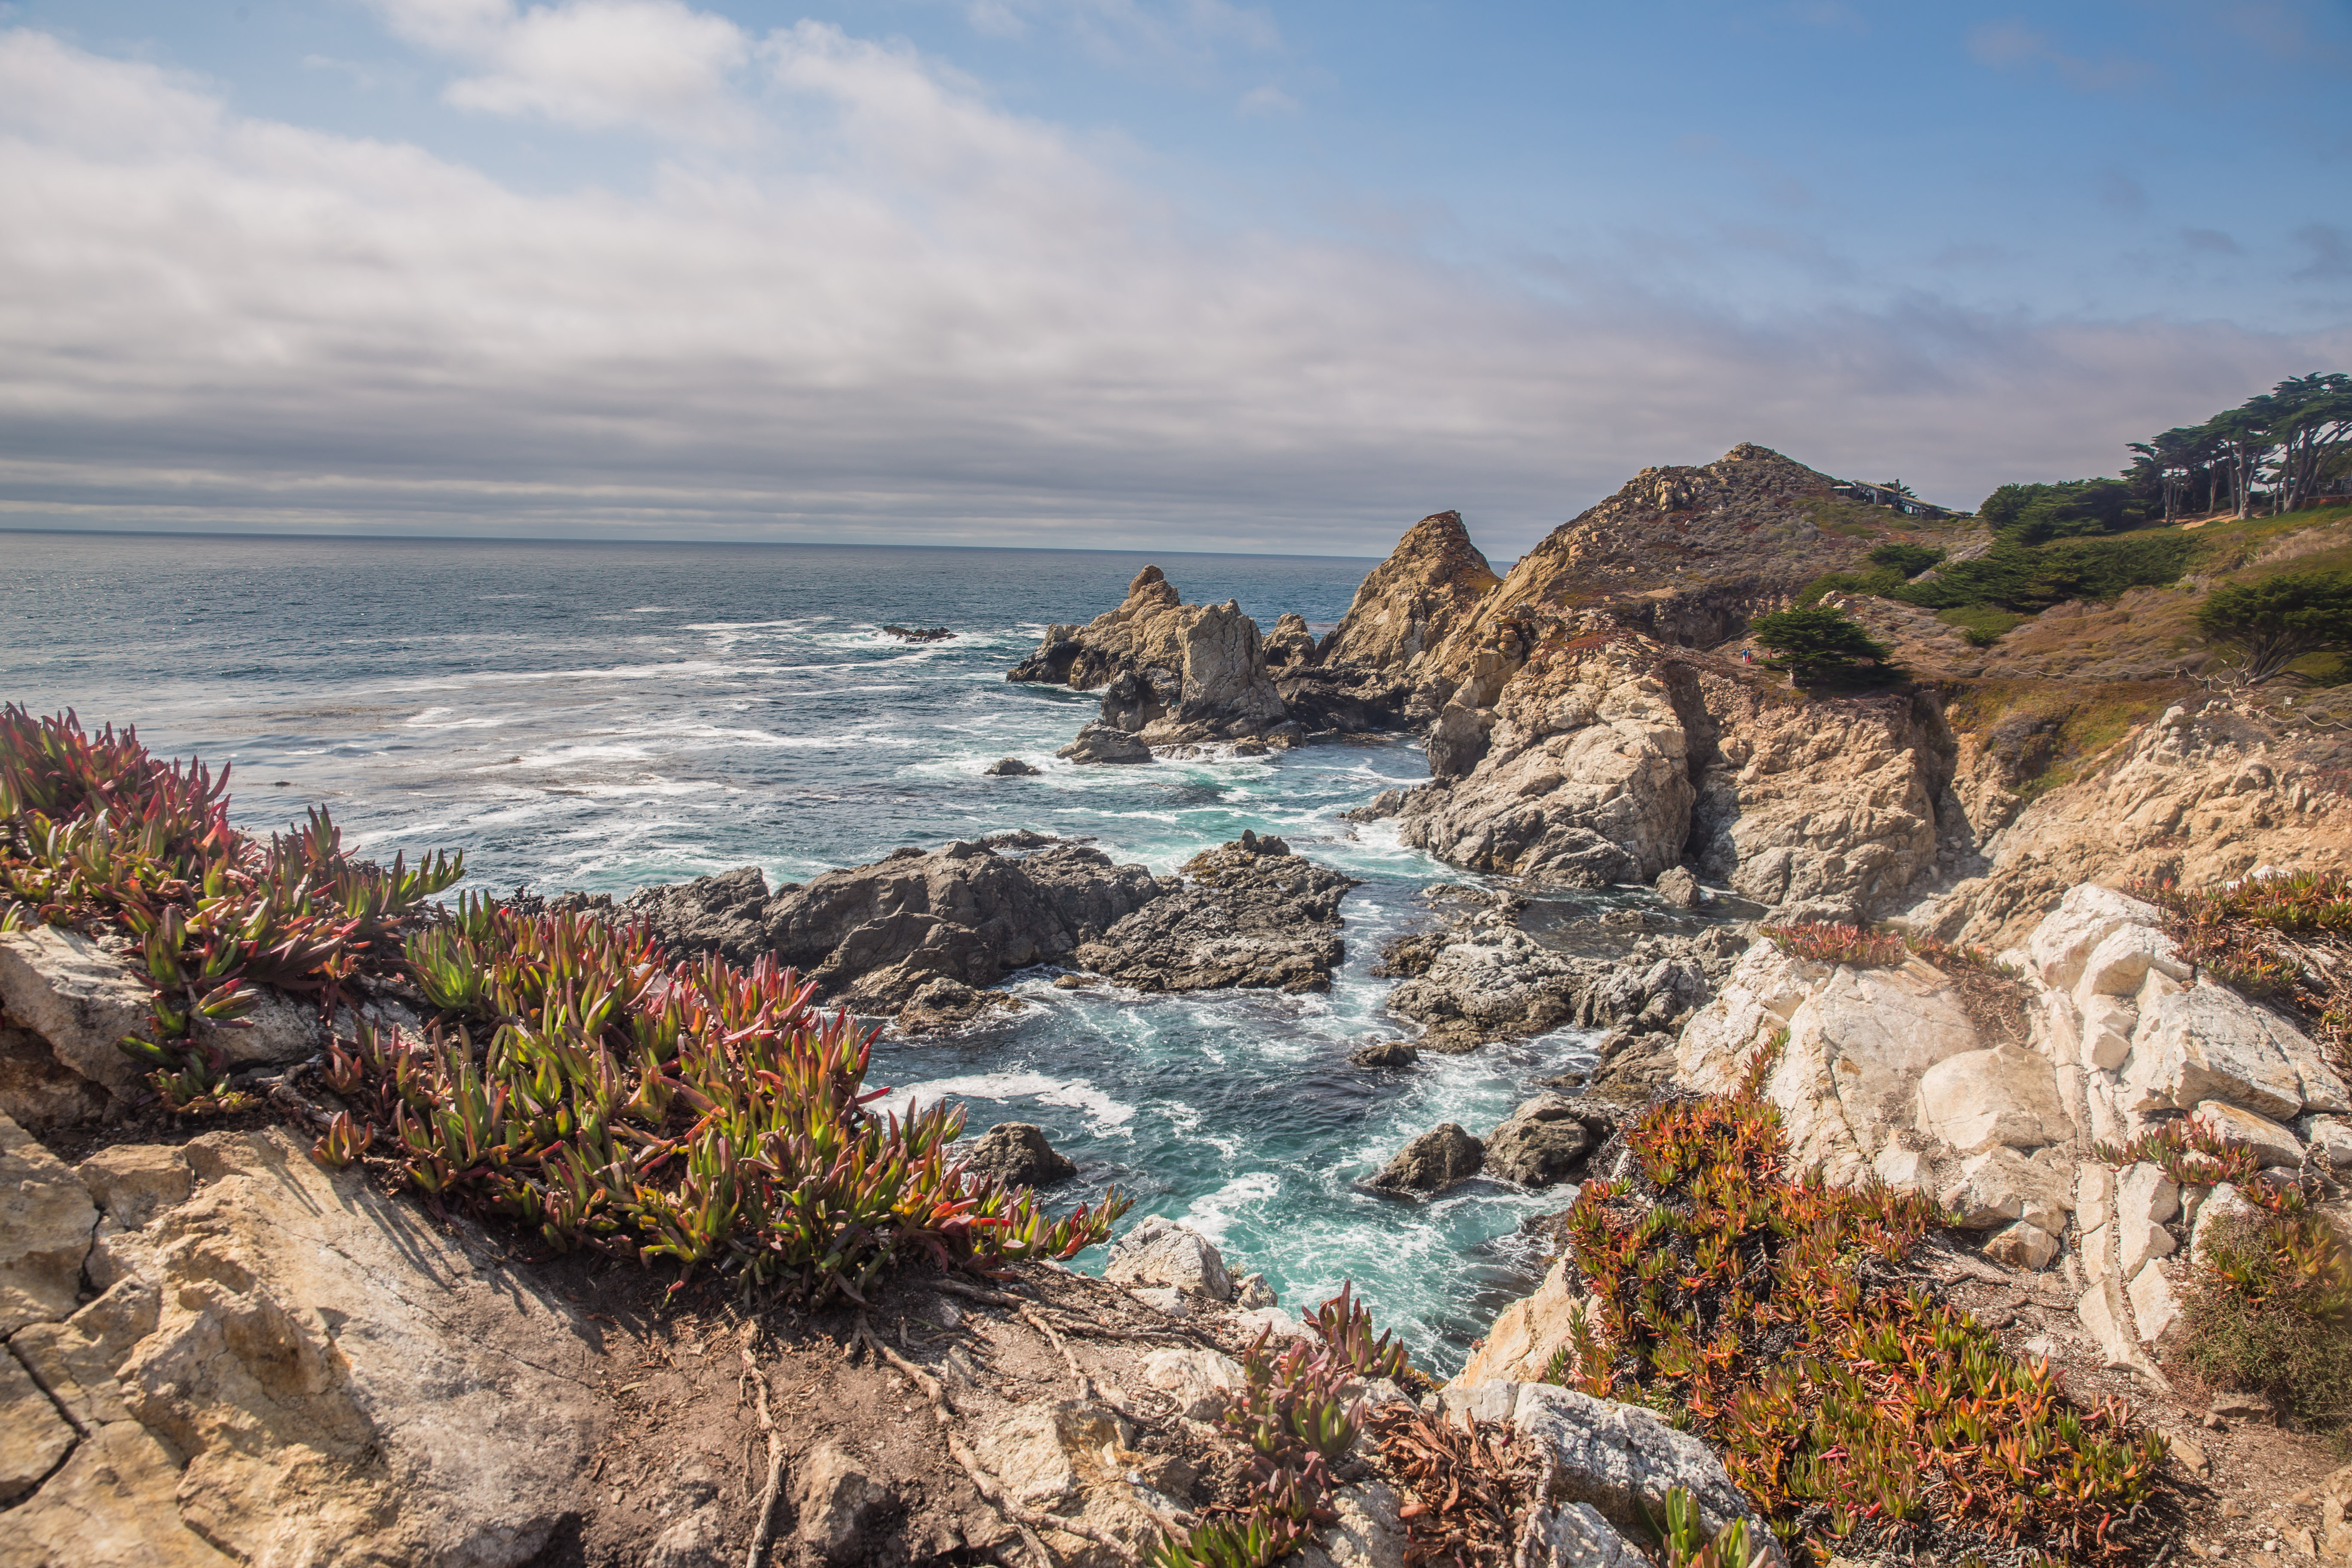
(1187, 273)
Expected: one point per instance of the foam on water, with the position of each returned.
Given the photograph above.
(621, 715)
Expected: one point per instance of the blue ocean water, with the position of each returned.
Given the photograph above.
(600, 716)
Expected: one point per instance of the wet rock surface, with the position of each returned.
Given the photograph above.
(1432, 1162)
(1250, 914)
(879, 936)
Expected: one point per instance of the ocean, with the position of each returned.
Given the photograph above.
(600, 716)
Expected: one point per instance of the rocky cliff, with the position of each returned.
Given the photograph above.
(1431, 583)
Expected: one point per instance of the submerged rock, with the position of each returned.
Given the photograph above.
(1432, 1162)
(1250, 914)
(1386, 1054)
(912, 634)
(1016, 1154)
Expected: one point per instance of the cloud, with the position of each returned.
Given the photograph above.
(1185, 35)
(2209, 242)
(2331, 252)
(2120, 194)
(933, 321)
(1267, 100)
(596, 65)
(2013, 45)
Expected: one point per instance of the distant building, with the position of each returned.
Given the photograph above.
(1901, 500)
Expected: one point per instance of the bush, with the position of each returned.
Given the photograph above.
(2251, 935)
(2271, 1311)
(2027, 580)
(1771, 1316)
(1827, 942)
(2273, 622)
(1821, 644)
(2032, 514)
(1982, 625)
(1909, 560)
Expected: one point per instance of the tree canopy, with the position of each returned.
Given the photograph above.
(2273, 622)
(1821, 644)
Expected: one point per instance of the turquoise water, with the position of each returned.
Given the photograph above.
(602, 716)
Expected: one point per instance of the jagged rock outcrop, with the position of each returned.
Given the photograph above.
(1544, 1142)
(1290, 645)
(1438, 1159)
(1481, 978)
(876, 936)
(2199, 797)
(1431, 583)
(1250, 914)
(1171, 673)
(1613, 759)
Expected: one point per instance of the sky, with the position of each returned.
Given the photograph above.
(1193, 274)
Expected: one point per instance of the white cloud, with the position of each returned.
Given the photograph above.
(592, 63)
(934, 320)
(1185, 35)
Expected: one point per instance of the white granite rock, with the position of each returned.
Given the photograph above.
(2005, 1096)
(1159, 1251)
(2241, 1129)
(2063, 943)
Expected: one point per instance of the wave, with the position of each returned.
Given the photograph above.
(1103, 1113)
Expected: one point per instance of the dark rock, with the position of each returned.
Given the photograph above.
(1250, 914)
(1432, 1162)
(1102, 743)
(1010, 767)
(874, 937)
(1387, 1054)
(722, 913)
(911, 634)
(1290, 645)
(1016, 1154)
(1343, 699)
(1542, 1144)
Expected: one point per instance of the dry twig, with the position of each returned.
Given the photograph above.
(765, 1534)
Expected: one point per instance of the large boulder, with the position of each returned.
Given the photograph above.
(80, 998)
(1159, 1251)
(1248, 914)
(874, 936)
(1542, 1142)
(2206, 1042)
(1016, 1154)
(46, 1217)
(1432, 1162)
(1848, 1080)
(1976, 1100)
(290, 1366)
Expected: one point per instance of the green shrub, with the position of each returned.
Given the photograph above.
(2032, 514)
(1822, 645)
(1909, 560)
(1982, 625)
(2271, 1311)
(2273, 622)
(2027, 579)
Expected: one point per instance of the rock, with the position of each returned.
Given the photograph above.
(1432, 1162)
(33, 1437)
(1575, 1536)
(1201, 1382)
(2155, 1308)
(1678, 887)
(2106, 1026)
(2062, 945)
(1010, 767)
(1975, 1099)
(2120, 963)
(1251, 1290)
(1171, 673)
(2000, 1185)
(913, 634)
(2241, 1128)
(1068, 1460)
(46, 1218)
(1407, 605)
(2223, 1207)
(2208, 1042)
(697, 1540)
(1906, 1170)
(2023, 1245)
(1541, 1143)
(1016, 1154)
(2146, 1202)
(2104, 1318)
(1367, 1533)
(75, 1361)
(36, 1089)
(1619, 1459)
(874, 936)
(840, 1501)
(111, 1506)
(134, 1182)
(1485, 979)
(80, 998)
(1387, 1054)
(1245, 915)
(1862, 1044)
(2331, 1140)
(1102, 744)
(2239, 1404)
(1527, 1334)
(1160, 1252)
(939, 1005)
(347, 1378)
(1163, 1299)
